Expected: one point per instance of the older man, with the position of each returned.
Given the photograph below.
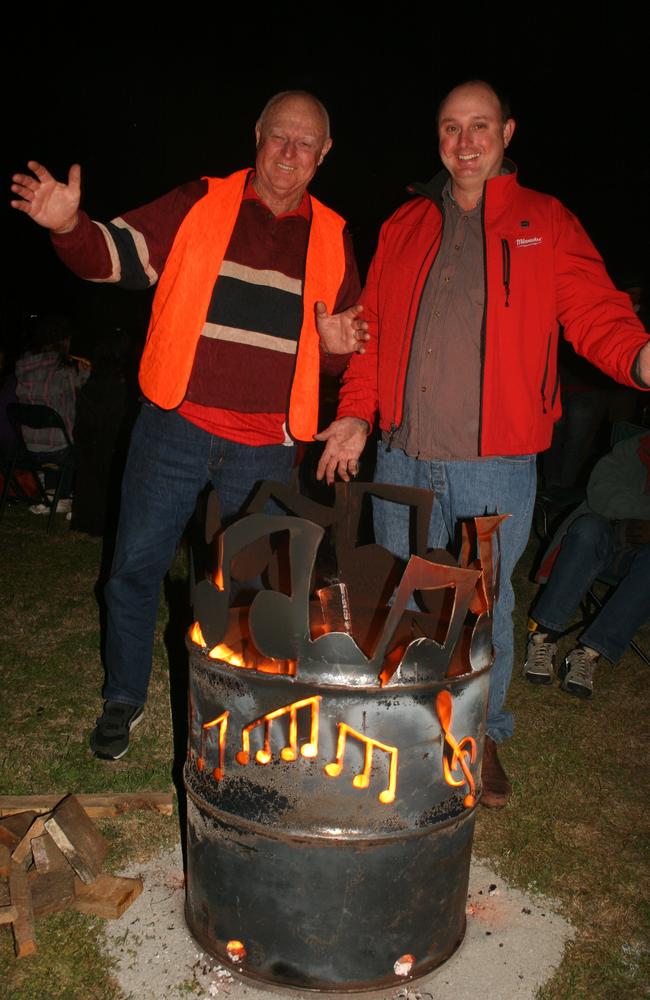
(249, 270)
(463, 301)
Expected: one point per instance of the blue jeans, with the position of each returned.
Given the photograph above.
(588, 550)
(170, 461)
(463, 490)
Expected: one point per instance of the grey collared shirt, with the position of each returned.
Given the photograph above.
(443, 382)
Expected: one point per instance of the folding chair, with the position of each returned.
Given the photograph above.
(36, 416)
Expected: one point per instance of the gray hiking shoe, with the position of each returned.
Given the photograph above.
(109, 739)
(539, 667)
(577, 672)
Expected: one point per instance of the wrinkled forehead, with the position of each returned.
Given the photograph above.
(298, 112)
(472, 101)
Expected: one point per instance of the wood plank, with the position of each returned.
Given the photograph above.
(8, 914)
(13, 828)
(51, 891)
(21, 898)
(47, 856)
(76, 835)
(108, 896)
(95, 805)
(5, 898)
(22, 853)
(5, 858)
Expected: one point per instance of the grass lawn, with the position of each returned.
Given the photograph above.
(576, 829)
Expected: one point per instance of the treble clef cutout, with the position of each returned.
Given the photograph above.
(460, 750)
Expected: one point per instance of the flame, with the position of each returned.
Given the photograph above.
(196, 635)
(228, 655)
(218, 579)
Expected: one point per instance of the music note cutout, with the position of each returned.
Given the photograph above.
(363, 780)
(220, 725)
(460, 750)
(290, 751)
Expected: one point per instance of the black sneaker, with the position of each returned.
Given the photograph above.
(109, 739)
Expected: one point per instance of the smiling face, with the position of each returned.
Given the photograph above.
(472, 138)
(292, 142)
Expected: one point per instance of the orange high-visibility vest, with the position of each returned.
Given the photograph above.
(185, 288)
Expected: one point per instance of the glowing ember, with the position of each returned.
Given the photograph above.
(363, 780)
(236, 951)
(460, 750)
(289, 752)
(403, 965)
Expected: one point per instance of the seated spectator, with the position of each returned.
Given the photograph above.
(46, 374)
(609, 533)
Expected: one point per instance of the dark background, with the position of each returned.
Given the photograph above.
(143, 113)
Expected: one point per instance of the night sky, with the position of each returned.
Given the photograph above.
(142, 116)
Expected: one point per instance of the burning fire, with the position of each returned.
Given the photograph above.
(226, 654)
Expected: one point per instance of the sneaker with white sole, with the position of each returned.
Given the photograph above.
(109, 739)
(539, 667)
(577, 672)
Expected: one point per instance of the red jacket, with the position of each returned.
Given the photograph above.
(541, 271)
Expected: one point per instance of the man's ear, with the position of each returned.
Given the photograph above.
(508, 131)
(325, 150)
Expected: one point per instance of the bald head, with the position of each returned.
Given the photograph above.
(303, 96)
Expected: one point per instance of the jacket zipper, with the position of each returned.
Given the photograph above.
(545, 375)
(505, 260)
(483, 325)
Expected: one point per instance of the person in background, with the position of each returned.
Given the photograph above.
(47, 374)
(608, 534)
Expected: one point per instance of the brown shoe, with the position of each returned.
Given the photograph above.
(496, 787)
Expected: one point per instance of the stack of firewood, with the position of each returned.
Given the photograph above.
(51, 861)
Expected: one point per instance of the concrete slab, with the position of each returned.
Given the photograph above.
(512, 945)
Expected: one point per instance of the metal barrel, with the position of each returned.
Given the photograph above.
(330, 825)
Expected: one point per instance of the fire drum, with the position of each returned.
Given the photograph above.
(333, 768)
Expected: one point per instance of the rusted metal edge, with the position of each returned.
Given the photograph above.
(365, 689)
(324, 839)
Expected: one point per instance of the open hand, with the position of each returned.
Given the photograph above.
(342, 333)
(48, 202)
(345, 440)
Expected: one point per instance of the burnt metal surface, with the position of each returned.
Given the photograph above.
(332, 777)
